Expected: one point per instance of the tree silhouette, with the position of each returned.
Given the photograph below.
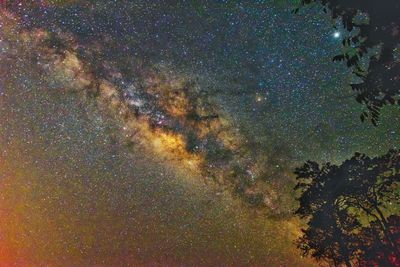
(379, 253)
(352, 210)
(381, 81)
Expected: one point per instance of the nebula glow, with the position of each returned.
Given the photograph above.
(144, 133)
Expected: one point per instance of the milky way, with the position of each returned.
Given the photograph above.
(154, 133)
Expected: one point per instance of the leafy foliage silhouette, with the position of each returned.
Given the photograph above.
(352, 210)
(381, 81)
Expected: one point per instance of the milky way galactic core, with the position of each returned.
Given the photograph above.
(165, 133)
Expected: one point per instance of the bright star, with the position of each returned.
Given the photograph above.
(336, 34)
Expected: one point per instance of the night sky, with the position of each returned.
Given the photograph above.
(165, 133)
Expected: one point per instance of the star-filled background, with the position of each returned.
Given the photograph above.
(165, 133)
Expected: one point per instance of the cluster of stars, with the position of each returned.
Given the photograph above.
(267, 72)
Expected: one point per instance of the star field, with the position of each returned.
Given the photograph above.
(165, 133)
